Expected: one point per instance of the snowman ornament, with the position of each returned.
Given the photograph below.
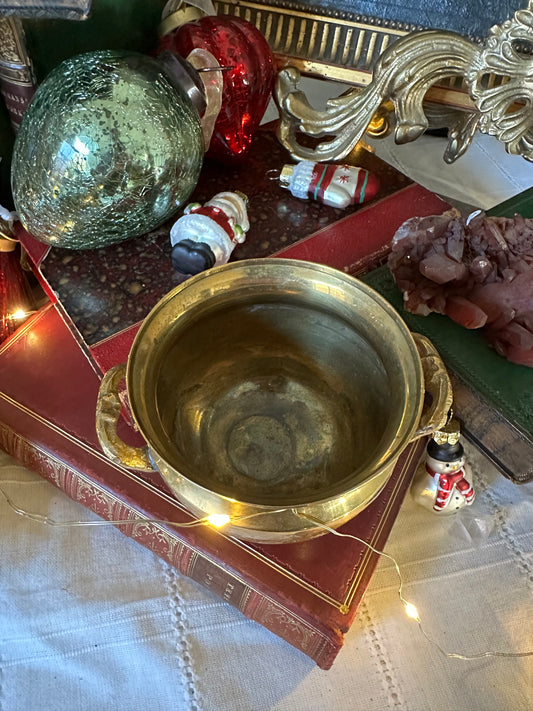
(443, 483)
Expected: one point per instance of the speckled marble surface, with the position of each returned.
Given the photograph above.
(106, 290)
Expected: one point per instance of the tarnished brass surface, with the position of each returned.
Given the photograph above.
(270, 388)
(108, 408)
(437, 385)
(497, 74)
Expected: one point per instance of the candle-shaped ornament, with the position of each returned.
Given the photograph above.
(334, 185)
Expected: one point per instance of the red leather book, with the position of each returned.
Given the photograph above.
(307, 593)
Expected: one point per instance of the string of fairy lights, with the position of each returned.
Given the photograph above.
(222, 520)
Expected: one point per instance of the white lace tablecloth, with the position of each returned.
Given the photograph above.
(90, 620)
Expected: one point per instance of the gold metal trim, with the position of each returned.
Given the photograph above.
(108, 412)
(15, 63)
(326, 43)
(331, 46)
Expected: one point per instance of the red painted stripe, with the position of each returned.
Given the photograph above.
(317, 173)
(218, 216)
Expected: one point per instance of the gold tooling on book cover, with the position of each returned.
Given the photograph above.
(343, 606)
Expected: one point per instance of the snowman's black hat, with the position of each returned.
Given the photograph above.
(445, 452)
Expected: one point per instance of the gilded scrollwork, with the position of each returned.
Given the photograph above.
(506, 110)
(15, 64)
(498, 75)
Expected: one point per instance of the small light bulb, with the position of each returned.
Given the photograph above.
(19, 314)
(218, 520)
(411, 610)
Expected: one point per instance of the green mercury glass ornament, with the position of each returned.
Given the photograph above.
(109, 148)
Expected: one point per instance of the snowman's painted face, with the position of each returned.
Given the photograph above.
(445, 467)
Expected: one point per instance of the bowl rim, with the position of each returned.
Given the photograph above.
(138, 349)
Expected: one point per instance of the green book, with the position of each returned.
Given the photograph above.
(493, 398)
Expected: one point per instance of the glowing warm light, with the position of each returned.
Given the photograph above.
(218, 520)
(411, 610)
(20, 313)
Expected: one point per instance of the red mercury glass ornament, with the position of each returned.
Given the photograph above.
(16, 300)
(248, 76)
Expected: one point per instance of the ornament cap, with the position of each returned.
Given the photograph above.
(184, 76)
(286, 175)
(444, 444)
(449, 434)
(7, 244)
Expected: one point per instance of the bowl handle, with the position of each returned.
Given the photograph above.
(108, 409)
(437, 384)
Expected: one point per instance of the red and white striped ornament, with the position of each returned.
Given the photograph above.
(334, 185)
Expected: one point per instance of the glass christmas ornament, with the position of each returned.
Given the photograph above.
(16, 300)
(334, 185)
(443, 482)
(206, 235)
(249, 73)
(109, 148)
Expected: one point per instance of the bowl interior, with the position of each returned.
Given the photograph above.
(275, 398)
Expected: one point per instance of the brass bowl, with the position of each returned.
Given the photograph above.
(273, 391)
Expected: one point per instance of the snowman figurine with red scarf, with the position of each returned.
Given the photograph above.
(443, 483)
